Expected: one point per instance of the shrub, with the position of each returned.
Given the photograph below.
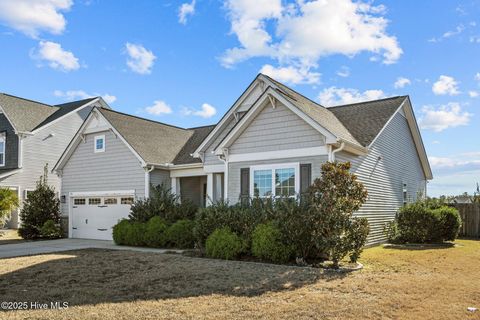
(8, 202)
(41, 205)
(357, 237)
(223, 244)
(155, 232)
(449, 221)
(267, 244)
(136, 234)
(180, 234)
(121, 231)
(50, 230)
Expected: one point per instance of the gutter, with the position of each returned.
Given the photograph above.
(332, 155)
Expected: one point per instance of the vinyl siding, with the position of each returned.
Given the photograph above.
(158, 177)
(234, 171)
(384, 177)
(11, 146)
(191, 189)
(210, 158)
(276, 129)
(115, 169)
(45, 147)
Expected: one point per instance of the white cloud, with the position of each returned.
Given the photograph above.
(401, 82)
(186, 10)
(336, 96)
(207, 111)
(443, 117)
(72, 95)
(477, 76)
(33, 16)
(344, 72)
(55, 56)
(473, 94)
(291, 74)
(459, 29)
(140, 60)
(445, 85)
(303, 32)
(158, 108)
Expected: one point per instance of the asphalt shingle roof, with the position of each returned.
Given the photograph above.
(199, 134)
(28, 115)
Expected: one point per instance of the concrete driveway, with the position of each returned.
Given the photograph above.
(49, 246)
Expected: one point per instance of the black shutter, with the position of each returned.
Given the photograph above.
(305, 177)
(244, 184)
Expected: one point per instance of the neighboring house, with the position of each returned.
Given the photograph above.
(271, 142)
(33, 134)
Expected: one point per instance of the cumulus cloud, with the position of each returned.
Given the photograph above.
(443, 117)
(32, 17)
(186, 10)
(401, 83)
(445, 85)
(206, 111)
(158, 108)
(301, 33)
(140, 60)
(477, 76)
(71, 95)
(290, 74)
(344, 72)
(55, 56)
(336, 96)
(473, 94)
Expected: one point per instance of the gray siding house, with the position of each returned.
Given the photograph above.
(271, 142)
(33, 134)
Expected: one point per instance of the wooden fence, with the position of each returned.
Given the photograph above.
(470, 213)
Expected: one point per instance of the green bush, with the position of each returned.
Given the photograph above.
(449, 221)
(180, 234)
(136, 234)
(223, 244)
(267, 244)
(120, 232)
(50, 230)
(357, 234)
(155, 232)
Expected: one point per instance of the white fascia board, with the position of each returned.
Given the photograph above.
(189, 172)
(262, 101)
(280, 154)
(9, 173)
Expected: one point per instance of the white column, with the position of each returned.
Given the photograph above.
(209, 188)
(175, 186)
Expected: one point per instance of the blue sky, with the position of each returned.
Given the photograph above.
(185, 63)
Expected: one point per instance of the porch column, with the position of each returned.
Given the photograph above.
(175, 186)
(209, 188)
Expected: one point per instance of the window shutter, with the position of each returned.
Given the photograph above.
(305, 177)
(244, 184)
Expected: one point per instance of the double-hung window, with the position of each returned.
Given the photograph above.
(2, 148)
(276, 180)
(99, 143)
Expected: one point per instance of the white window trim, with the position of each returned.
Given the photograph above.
(273, 167)
(25, 191)
(4, 138)
(95, 144)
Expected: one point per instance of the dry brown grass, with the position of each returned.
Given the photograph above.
(9, 236)
(100, 284)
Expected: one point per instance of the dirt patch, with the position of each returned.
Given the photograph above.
(101, 284)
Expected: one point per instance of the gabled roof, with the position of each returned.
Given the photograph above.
(155, 142)
(27, 115)
(365, 120)
(199, 134)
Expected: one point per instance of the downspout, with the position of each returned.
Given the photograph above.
(342, 146)
(147, 180)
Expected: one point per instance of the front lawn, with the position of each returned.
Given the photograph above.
(102, 284)
(9, 236)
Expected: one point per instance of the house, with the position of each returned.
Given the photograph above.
(272, 141)
(33, 134)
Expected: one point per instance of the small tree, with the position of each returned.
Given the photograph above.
(41, 206)
(8, 202)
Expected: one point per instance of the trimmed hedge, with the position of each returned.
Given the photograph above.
(223, 244)
(267, 244)
(120, 232)
(180, 234)
(155, 232)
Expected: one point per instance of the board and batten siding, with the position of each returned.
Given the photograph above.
(159, 177)
(115, 169)
(276, 129)
(235, 167)
(392, 161)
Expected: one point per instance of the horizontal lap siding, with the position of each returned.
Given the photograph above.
(276, 129)
(115, 169)
(384, 177)
(234, 171)
(210, 158)
(158, 177)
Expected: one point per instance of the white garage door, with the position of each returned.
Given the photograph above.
(93, 217)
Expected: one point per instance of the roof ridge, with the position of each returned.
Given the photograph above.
(17, 97)
(199, 127)
(145, 119)
(75, 101)
(368, 101)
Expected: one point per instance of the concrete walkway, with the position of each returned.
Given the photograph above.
(49, 246)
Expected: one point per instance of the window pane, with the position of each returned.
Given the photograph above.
(285, 182)
(126, 201)
(94, 201)
(110, 201)
(79, 201)
(99, 144)
(262, 183)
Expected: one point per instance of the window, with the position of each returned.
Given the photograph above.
(278, 180)
(99, 143)
(110, 201)
(128, 200)
(405, 194)
(79, 202)
(2, 149)
(94, 201)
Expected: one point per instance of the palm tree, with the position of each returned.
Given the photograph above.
(8, 202)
